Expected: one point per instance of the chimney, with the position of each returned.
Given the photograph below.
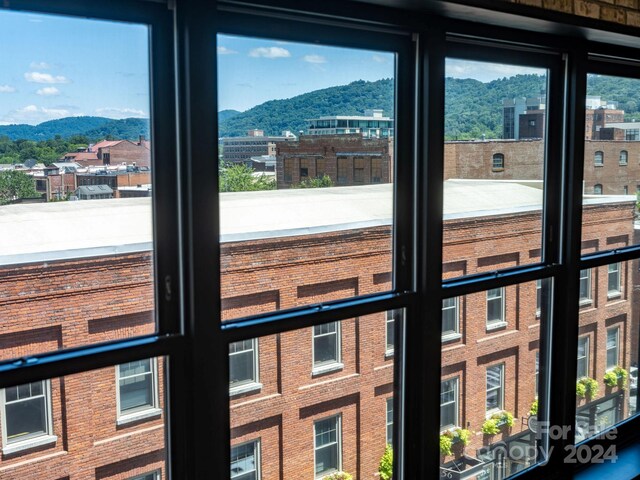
(141, 140)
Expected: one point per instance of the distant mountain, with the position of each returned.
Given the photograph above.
(227, 114)
(95, 128)
(291, 114)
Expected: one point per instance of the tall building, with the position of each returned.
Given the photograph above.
(254, 144)
(370, 125)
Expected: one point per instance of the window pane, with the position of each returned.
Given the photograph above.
(310, 421)
(607, 392)
(490, 380)
(611, 143)
(245, 461)
(288, 234)
(494, 157)
(72, 132)
(75, 424)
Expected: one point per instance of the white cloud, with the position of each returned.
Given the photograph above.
(48, 91)
(113, 112)
(380, 59)
(33, 115)
(270, 52)
(39, 66)
(486, 72)
(7, 89)
(314, 58)
(225, 51)
(38, 77)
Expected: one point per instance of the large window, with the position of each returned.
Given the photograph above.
(613, 338)
(137, 390)
(449, 403)
(245, 461)
(390, 420)
(613, 280)
(26, 416)
(326, 347)
(328, 438)
(495, 388)
(450, 315)
(495, 308)
(243, 365)
(585, 286)
(583, 357)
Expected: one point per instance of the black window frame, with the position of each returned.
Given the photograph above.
(185, 255)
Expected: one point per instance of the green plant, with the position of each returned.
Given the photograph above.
(461, 435)
(490, 426)
(533, 410)
(613, 377)
(316, 182)
(386, 463)
(338, 476)
(587, 387)
(445, 444)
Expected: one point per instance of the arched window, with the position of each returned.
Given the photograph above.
(498, 162)
(597, 189)
(624, 156)
(598, 158)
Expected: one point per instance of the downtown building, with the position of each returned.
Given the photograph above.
(313, 400)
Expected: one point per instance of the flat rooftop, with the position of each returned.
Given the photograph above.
(75, 229)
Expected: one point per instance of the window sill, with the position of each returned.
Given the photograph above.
(450, 337)
(613, 295)
(137, 416)
(495, 326)
(497, 170)
(388, 354)
(332, 367)
(246, 388)
(586, 302)
(28, 444)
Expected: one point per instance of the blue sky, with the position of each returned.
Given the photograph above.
(55, 67)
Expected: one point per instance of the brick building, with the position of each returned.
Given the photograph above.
(333, 382)
(113, 152)
(348, 159)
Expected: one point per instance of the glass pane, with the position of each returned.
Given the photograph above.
(308, 422)
(606, 393)
(75, 424)
(494, 157)
(288, 232)
(490, 381)
(76, 238)
(610, 162)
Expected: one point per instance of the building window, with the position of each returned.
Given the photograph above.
(613, 288)
(597, 189)
(26, 416)
(613, 335)
(390, 324)
(585, 286)
(495, 307)
(288, 170)
(376, 170)
(624, 157)
(538, 297)
(625, 190)
(495, 390)
(305, 165)
(583, 357)
(327, 445)
(148, 476)
(598, 158)
(537, 371)
(450, 325)
(245, 461)
(243, 366)
(137, 390)
(326, 347)
(343, 166)
(448, 403)
(498, 162)
(390, 421)
(358, 171)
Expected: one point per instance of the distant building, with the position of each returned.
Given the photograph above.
(371, 125)
(113, 152)
(94, 192)
(255, 144)
(513, 109)
(114, 179)
(346, 159)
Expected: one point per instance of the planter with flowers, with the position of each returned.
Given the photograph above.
(615, 378)
(499, 422)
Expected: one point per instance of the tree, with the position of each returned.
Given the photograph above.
(15, 184)
(240, 178)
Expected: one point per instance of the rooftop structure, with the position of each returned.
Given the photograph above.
(370, 125)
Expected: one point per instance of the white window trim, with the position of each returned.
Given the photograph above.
(617, 348)
(501, 406)
(626, 157)
(151, 411)
(455, 402)
(330, 366)
(32, 442)
(584, 301)
(155, 473)
(256, 455)
(252, 385)
(338, 420)
(389, 423)
(586, 356)
(390, 317)
(495, 324)
(616, 293)
(596, 162)
(454, 334)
